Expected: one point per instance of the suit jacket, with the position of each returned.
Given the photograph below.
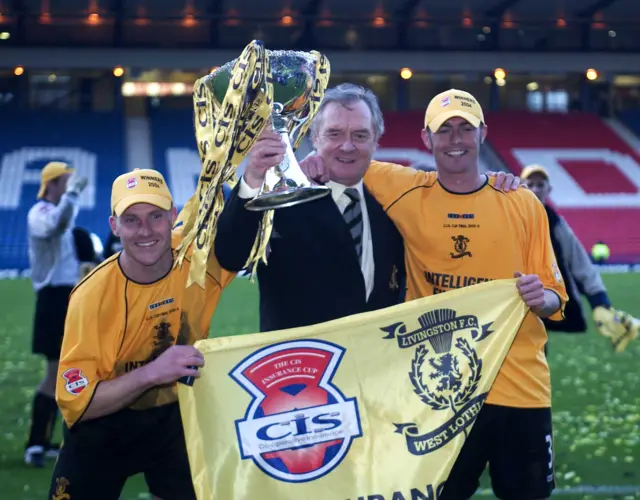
(312, 273)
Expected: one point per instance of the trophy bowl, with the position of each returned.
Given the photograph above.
(293, 76)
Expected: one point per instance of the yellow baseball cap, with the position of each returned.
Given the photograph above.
(140, 186)
(529, 170)
(452, 103)
(51, 171)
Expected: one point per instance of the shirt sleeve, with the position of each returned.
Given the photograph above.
(221, 275)
(389, 182)
(578, 262)
(541, 259)
(214, 269)
(49, 220)
(81, 366)
(245, 192)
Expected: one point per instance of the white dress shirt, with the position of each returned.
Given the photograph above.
(52, 252)
(367, 265)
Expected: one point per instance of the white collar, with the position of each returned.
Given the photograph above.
(338, 189)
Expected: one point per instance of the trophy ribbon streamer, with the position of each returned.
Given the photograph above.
(224, 136)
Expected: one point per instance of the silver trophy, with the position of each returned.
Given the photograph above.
(293, 75)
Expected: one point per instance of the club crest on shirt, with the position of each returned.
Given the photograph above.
(445, 373)
(299, 426)
(75, 381)
(460, 246)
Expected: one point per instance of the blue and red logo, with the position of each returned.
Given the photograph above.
(299, 426)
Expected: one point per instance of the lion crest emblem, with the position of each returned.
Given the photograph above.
(445, 373)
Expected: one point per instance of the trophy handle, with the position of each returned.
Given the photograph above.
(285, 185)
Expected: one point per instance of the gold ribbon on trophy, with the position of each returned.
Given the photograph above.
(221, 128)
(232, 105)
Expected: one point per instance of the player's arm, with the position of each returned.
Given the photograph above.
(541, 259)
(221, 275)
(620, 327)
(389, 182)
(114, 395)
(86, 360)
(580, 266)
(83, 358)
(237, 229)
(551, 304)
(84, 389)
(237, 226)
(50, 220)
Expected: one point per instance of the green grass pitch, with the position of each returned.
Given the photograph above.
(596, 396)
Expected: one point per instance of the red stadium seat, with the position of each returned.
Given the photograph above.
(594, 172)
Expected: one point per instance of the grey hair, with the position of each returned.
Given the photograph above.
(348, 94)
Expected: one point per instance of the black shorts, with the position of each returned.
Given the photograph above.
(99, 455)
(48, 320)
(517, 445)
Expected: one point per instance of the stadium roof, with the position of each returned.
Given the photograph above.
(326, 24)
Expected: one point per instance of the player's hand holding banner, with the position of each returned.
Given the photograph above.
(372, 404)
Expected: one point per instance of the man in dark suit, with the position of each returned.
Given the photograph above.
(329, 258)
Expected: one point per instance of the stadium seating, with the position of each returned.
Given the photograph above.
(93, 143)
(174, 152)
(401, 141)
(631, 118)
(595, 174)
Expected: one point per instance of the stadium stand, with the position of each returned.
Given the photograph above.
(631, 118)
(174, 150)
(595, 173)
(92, 143)
(402, 142)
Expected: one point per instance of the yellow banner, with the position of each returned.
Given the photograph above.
(375, 405)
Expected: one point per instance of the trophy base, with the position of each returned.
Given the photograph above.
(287, 197)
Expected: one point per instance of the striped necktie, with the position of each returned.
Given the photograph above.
(353, 217)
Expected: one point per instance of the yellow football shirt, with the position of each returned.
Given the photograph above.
(457, 240)
(115, 325)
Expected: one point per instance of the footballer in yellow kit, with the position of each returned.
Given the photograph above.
(129, 337)
(459, 230)
(455, 240)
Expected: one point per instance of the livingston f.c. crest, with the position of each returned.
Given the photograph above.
(445, 373)
(299, 425)
(460, 246)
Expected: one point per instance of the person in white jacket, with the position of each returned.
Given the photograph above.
(55, 270)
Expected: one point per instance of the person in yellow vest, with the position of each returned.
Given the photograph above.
(459, 230)
(128, 339)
